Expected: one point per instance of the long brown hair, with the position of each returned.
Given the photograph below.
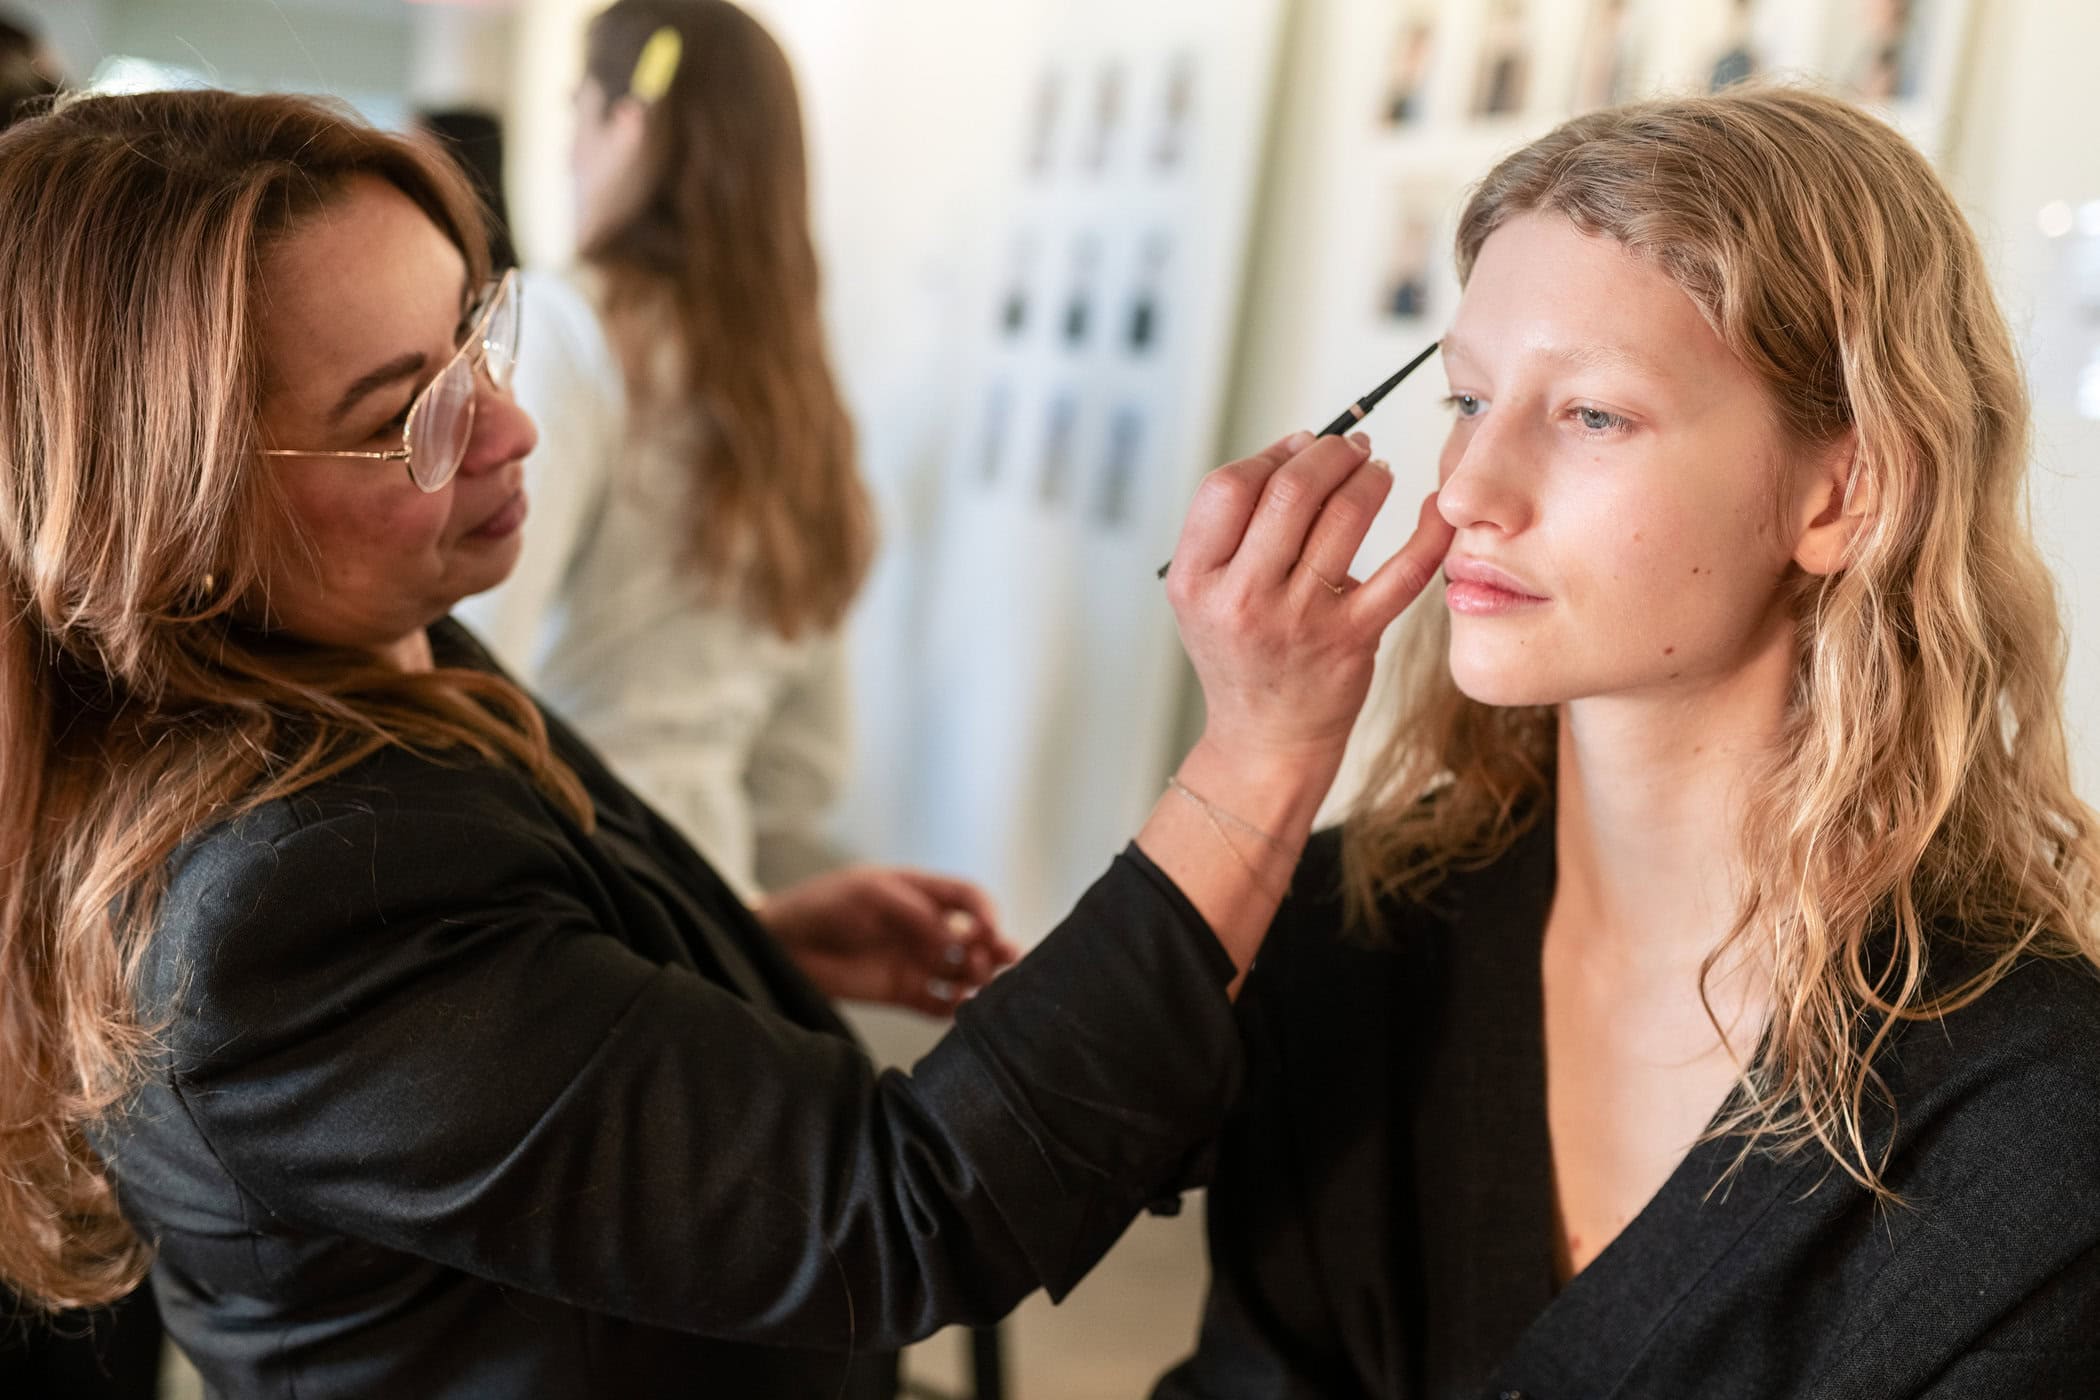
(1923, 776)
(710, 255)
(139, 700)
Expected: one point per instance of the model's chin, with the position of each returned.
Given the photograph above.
(1504, 681)
(1497, 692)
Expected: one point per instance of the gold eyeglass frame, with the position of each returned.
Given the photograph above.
(476, 345)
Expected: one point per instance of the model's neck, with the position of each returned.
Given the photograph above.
(1649, 810)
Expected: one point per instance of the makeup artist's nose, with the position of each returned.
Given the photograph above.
(1484, 480)
(503, 432)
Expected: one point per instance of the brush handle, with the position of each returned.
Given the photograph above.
(1356, 413)
(1351, 416)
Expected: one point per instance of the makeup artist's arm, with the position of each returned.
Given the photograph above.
(1284, 662)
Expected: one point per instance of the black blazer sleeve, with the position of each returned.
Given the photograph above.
(402, 1022)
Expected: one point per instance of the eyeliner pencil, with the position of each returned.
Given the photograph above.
(1356, 413)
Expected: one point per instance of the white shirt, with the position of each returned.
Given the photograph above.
(736, 735)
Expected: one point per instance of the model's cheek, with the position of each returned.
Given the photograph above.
(1453, 452)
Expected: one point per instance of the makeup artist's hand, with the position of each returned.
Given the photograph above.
(902, 937)
(1285, 660)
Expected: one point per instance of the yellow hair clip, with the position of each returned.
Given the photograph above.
(657, 66)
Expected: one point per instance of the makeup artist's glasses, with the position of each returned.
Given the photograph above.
(440, 421)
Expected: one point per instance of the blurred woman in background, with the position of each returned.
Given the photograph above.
(699, 529)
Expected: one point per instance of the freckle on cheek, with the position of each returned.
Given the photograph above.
(1669, 651)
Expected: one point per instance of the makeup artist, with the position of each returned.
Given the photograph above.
(355, 995)
(699, 529)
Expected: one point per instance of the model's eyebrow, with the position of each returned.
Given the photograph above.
(392, 372)
(1582, 355)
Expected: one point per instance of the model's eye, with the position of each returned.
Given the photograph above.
(1597, 420)
(1464, 405)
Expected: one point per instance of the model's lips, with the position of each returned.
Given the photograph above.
(1479, 589)
(504, 520)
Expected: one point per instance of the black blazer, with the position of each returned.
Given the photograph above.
(1381, 1223)
(458, 1100)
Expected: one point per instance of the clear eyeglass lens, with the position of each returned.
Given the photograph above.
(499, 342)
(438, 436)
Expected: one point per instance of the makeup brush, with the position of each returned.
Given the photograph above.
(1356, 413)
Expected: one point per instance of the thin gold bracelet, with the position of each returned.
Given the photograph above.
(1219, 812)
(1216, 826)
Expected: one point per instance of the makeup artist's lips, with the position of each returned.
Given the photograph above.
(1479, 589)
(505, 521)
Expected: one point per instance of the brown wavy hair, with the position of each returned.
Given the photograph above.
(709, 254)
(1921, 789)
(141, 699)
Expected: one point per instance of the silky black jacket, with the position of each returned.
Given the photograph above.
(1382, 1219)
(460, 1100)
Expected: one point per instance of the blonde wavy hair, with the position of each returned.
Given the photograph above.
(143, 695)
(1922, 788)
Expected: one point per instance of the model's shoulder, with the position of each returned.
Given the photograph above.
(2039, 1014)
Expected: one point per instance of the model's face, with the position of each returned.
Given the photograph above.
(364, 306)
(1618, 480)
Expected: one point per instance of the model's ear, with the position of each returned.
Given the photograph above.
(1832, 499)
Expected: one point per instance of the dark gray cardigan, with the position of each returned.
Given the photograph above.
(1382, 1218)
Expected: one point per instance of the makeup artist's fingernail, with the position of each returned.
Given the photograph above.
(940, 989)
(1362, 440)
(953, 955)
(960, 922)
(1300, 440)
(1383, 465)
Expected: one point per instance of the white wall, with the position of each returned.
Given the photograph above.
(2031, 137)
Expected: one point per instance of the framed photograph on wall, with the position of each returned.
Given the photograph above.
(1503, 74)
(1611, 55)
(1410, 63)
(1410, 285)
